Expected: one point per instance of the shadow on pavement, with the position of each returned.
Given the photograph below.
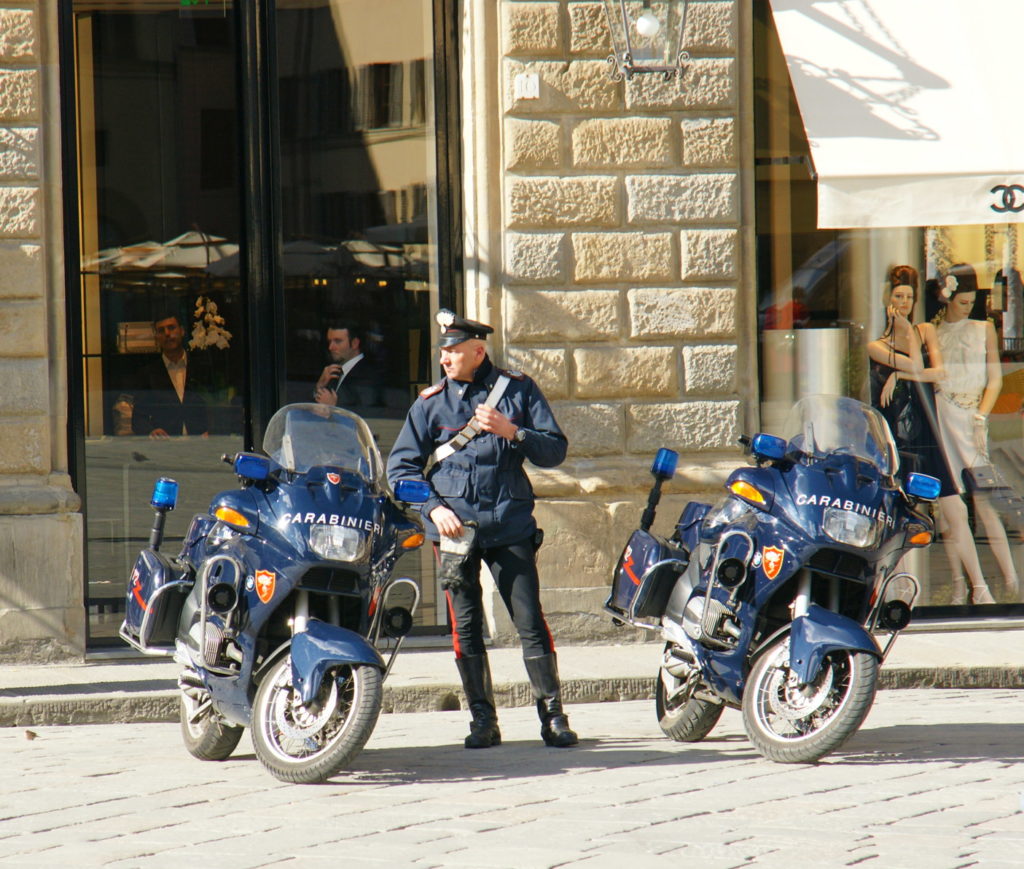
(528, 759)
(901, 743)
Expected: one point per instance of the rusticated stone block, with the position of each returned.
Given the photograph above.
(22, 329)
(24, 445)
(623, 256)
(534, 256)
(627, 372)
(547, 366)
(556, 315)
(709, 142)
(26, 387)
(691, 426)
(709, 368)
(549, 202)
(574, 539)
(588, 29)
(21, 270)
(593, 429)
(708, 83)
(19, 94)
(19, 152)
(531, 28)
(691, 312)
(581, 86)
(709, 253)
(17, 35)
(533, 144)
(682, 198)
(711, 26)
(19, 212)
(611, 142)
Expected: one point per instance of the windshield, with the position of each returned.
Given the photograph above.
(822, 424)
(301, 436)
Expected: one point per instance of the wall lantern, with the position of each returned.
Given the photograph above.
(647, 36)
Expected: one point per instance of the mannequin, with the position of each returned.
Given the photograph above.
(905, 363)
(964, 400)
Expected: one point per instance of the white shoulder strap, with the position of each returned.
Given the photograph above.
(469, 430)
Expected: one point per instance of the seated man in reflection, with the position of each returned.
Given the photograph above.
(349, 380)
(169, 397)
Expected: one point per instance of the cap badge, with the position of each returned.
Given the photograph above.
(445, 318)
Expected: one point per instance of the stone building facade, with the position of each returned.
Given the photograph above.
(618, 225)
(608, 227)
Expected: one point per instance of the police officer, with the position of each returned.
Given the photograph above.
(469, 435)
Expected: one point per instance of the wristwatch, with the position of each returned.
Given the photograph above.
(519, 436)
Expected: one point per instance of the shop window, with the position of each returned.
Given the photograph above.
(822, 298)
(157, 129)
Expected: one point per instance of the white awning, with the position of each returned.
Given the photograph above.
(913, 108)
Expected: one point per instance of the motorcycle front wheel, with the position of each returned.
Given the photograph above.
(793, 723)
(308, 744)
(682, 717)
(205, 734)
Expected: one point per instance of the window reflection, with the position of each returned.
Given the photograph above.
(357, 195)
(161, 329)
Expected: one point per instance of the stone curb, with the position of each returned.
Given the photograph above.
(162, 705)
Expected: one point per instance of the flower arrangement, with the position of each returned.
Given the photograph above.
(208, 327)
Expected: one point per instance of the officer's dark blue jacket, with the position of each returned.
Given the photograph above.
(485, 480)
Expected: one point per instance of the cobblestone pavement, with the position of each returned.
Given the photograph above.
(934, 779)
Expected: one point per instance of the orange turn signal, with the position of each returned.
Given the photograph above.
(413, 541)
(922, 538)
(231, 516)
(746, 491)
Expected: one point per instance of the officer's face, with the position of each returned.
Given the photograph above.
(169, 335)
(340, 346)
(460, 360)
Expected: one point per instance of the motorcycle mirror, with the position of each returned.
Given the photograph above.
(664, 465)
(165, 494)
(766, 446)
(252, 466)
(412, 491)
(922, 486)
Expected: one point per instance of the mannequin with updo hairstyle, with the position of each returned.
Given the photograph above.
(964, 400)
(906, 365)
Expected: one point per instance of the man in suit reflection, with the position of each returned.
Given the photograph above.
(168, 399)
(349, 380)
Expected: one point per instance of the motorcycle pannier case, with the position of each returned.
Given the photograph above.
(156, 593)
(644, 578)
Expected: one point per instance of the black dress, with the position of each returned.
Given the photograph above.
(911, 417)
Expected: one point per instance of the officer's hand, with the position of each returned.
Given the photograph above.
(447, 521)
(492, 421)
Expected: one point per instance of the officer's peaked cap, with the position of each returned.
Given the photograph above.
(456, 329)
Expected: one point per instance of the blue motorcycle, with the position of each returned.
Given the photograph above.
(282, 598)
(771, 600)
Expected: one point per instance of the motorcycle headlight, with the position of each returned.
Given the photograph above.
(336, 543)
(853, 529)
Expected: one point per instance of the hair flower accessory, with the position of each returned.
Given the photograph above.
(948, 288)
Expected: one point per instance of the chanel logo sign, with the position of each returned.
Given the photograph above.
(1012, 197)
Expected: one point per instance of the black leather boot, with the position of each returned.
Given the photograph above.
(547, 690)
(476, 682)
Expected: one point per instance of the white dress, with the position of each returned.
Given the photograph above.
(958, 396)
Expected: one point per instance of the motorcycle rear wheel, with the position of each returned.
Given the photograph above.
(789, 723)
(303, 745)
(205, 734)
(686, 720)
